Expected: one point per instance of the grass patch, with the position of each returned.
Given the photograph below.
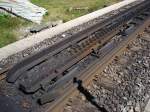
(9, 27)
(57, 10)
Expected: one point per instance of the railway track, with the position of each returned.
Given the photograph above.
(96, 68)
(50, 75)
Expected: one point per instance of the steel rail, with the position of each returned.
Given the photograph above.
(58, 92)
(45, 54)
(43, 80)
(112, 50)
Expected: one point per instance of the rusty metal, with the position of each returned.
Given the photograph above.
(52, 69)
(52, 72)
(45, 54)
(111, 50)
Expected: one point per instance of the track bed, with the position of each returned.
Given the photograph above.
(44, 80)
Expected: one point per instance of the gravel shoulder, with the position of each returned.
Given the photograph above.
(123, 86)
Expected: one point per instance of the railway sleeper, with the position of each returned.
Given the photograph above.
(107, 48)
(17, 71)
(34, 86)
(65, 80)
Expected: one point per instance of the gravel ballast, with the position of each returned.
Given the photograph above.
(11, 60)
(123, 86)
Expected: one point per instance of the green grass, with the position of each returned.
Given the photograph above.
(8, 28)
(57, 10)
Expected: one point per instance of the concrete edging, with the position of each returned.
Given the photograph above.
(49, 33)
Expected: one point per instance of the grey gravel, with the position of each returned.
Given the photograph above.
(124, 85)
(11, 60)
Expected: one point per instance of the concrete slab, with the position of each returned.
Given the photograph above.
(49, 33)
